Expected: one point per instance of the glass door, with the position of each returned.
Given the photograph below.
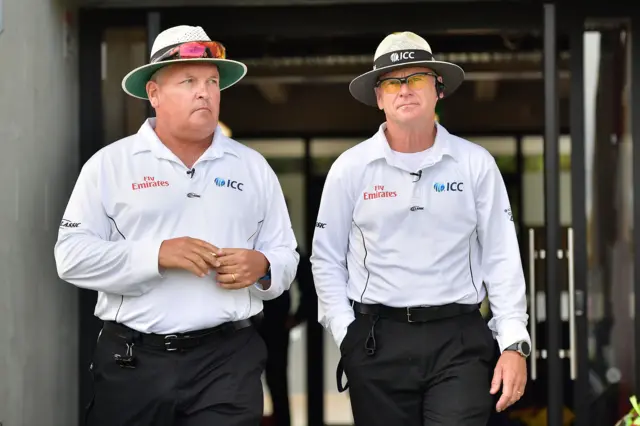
(594, 255)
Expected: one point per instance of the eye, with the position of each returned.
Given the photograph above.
(213, 81)
(188, 80)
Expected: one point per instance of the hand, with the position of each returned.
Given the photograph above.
(511, 372)
(240, 268)
(190, 254)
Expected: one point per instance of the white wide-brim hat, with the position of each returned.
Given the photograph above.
(403, 50)
(135, 82)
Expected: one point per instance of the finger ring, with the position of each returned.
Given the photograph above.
(234, 277)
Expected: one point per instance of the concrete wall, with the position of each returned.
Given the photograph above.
(38, 167)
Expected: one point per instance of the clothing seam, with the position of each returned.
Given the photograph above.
(364, 262)
(471, 268)
(124, 238)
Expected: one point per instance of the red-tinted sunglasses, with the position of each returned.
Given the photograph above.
(194, 50)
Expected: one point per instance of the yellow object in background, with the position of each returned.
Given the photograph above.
(538, 417)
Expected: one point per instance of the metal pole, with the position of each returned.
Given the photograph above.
(315, 332)
(635, 136)
(579, 219)
(153, 29)
(552, 218)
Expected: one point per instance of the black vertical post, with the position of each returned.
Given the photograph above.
(635, 137)
(153, 29)
(552, 217)
(579, 220)
(90, 31)
(315, 332)
(519, 176)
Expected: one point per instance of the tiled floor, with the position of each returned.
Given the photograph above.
(337, 408)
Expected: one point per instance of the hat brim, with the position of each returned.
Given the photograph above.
(363, 87)
(135, 83)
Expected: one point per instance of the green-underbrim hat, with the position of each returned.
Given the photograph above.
(166, 51)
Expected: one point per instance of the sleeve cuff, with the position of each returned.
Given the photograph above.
(339, 327)
(274, 289)
(144, 259)
(510, 332)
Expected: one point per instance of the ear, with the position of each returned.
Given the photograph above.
(152, 93)
(440, 93)
(379, 99)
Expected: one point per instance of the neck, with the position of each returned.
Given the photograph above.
(411, 138)
(188, 150)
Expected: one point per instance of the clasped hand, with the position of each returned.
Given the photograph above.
(236, 268)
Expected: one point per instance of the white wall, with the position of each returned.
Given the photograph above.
(38, 166)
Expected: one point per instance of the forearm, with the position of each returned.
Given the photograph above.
(122, 267)
(283, 262)
(508, 304)
(334, 310)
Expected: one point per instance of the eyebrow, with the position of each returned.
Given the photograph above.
(188, 75)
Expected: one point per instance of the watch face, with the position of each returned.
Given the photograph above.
(525, 348)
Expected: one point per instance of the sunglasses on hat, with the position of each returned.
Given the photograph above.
(194, 50)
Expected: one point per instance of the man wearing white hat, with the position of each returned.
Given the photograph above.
(183, 233)
(414, 230)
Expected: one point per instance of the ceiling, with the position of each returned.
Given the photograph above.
(301, 60)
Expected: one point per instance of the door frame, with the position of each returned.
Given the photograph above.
(93, 22)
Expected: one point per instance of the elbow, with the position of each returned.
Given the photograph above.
(64, 265)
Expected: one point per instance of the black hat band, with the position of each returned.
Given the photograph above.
(401, 56)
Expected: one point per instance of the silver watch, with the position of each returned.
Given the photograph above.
(522, 347)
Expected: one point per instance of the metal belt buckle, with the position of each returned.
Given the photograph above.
(167, 342)
(409, 315)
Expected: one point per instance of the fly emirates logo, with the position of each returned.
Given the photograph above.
(149, 182)
(379, 192)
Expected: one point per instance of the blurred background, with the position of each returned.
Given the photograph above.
(552, 91)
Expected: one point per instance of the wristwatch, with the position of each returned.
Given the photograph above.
(267, 276)
(522, 347)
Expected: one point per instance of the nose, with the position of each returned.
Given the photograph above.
(202, 91)
(404, 89)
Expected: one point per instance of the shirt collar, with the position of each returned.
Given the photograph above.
(147, 141)
(440, 148)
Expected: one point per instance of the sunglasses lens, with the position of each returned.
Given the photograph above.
(418, 81)
(391, 85)
(192, 50)
(415, 82)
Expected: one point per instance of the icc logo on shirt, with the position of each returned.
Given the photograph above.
(449, 186)
(229, 183)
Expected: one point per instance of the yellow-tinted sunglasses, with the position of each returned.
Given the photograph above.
(415, 81)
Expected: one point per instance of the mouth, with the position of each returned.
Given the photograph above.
(407, 105)
(202, 109)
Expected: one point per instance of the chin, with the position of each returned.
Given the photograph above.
(411, 118)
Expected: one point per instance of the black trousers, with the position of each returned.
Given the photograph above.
(434, 373)
(275, 333)
(216, 383)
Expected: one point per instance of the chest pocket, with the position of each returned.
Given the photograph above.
(450, 201)
(232, 213)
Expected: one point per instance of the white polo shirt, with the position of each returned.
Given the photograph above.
(135, 193)
(427, 236)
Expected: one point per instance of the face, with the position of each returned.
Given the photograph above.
(406, 103)
(186, 98)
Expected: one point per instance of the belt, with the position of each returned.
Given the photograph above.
(416, 313)
(177, 341)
